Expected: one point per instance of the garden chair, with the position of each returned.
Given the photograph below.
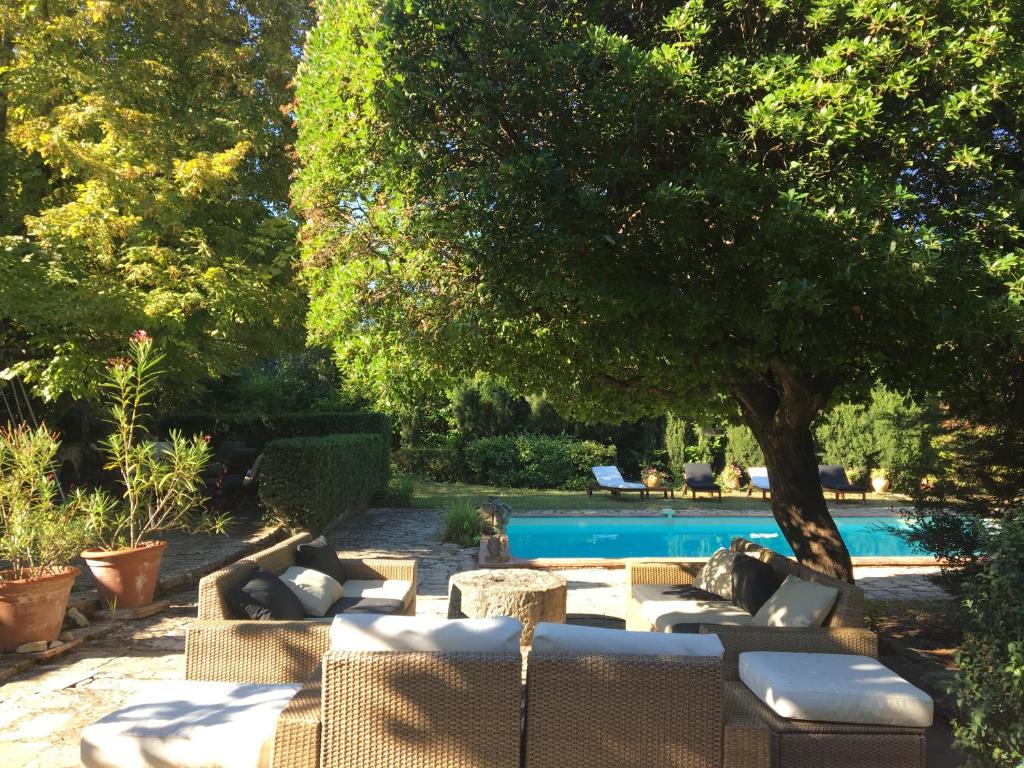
(758, 481)
(605, 698)
(699, 477)
(610, 479)
(833, 478)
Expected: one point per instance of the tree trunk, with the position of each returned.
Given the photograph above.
(779, 408)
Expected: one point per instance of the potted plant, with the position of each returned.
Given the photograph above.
(162, 488)
(731, 477)
(880, 480)
(41, 533)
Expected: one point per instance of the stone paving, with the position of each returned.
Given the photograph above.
(43, 710)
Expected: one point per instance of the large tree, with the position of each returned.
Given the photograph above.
(144, 172)
(642, 205)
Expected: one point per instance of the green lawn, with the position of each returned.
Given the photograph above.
(446, 495)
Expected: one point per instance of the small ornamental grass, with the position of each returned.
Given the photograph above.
(462, 525)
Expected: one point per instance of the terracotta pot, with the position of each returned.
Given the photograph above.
(653, 480)
(880, 484)
(126, 578)
(33, 609)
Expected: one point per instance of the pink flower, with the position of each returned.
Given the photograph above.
(207, 439)
(141, 336)
(118, 362)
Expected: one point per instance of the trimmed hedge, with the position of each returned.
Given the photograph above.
(259, 429)
(306, 482)
(536, 461)
(443, 463)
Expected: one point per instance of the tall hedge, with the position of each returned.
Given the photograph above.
(536, 461)
(259, 429)
(306, 482)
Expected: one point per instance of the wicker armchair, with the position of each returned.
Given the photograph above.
(280, 557)
(848, 610)
(601, 711)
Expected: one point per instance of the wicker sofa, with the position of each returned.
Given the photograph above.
(280, 557)
(641, 575)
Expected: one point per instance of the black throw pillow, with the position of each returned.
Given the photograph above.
(264, 596)
(753, 582)
(320, 556)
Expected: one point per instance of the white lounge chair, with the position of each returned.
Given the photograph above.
(610, 479)
(759, 481)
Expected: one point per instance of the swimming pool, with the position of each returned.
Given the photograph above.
(614, 537)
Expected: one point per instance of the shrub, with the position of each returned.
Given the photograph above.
(462, 525)
(306, 482)
(485, 407)
(742, 448)
(535, 461)
(398, 493)
(675, 444)
(256, 430)
(844, 435)
(442, 462)
(957, 538)
(989, 691)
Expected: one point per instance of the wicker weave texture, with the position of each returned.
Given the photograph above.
(298, 732)
(660, 572)
(737, 640)
(623, 711)
(806, 744)
(421, 710)
(255, 651)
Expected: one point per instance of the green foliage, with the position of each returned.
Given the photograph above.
(535, 461)
(307, 482)
(989, 690)
(484, 407)
(676, 444)
(441, 461)
(890, 432)
(39, 530)
(256, 430)
(162, 490)
(848, 165)
(462, 525)
(959, 540)
(144, 171)
(741, 447)
(399, 491)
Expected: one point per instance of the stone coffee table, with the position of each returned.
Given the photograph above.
(528, 595)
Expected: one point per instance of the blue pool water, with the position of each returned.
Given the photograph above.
(611, 537)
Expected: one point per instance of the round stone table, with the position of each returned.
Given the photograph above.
(528, 595)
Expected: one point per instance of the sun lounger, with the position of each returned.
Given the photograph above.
(699, 477)
(610, 479)
(758, 481)
(833, 478)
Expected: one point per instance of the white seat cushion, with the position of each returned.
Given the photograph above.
(316, 591)
(372, 632)
(836, 688)
(566, 638)
(189, 724)
(662, 611)
(797, 603)
(392, 589)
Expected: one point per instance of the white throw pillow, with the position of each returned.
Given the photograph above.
(316, 591)
(716, 574)
(372, 632)
(567, 638)
(797, 603)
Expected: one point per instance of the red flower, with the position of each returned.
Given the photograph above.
(141, 336)
(207, 439)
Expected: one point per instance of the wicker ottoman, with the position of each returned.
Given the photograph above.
(756, 734)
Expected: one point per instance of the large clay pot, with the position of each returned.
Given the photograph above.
(33, 609)
(880, 484)
(653, 480)
(126, 578)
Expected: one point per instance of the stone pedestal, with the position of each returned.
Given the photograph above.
(528, 595)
